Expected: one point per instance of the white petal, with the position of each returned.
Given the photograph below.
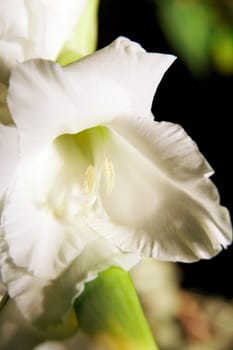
(118, 80)
(13, 33)
(127, 64)
(39, 96)
(28, 293)
(48, 303)
(10, 53)
(44, 104)
(162, 204)
(38, 240)
(35, 29)
(8, 156)
(97, 256)
(50, 25)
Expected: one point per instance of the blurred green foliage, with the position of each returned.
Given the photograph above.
(201, 32)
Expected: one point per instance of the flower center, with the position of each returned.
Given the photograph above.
(79, 166)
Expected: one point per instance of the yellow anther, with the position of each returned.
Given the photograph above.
(89, 180)
(59, 211)
(109, 173)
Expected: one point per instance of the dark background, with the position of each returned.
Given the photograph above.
(202, 105)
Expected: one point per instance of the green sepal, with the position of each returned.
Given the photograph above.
(110, 312)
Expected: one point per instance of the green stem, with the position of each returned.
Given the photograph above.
(110, 312)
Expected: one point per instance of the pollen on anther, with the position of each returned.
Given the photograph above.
(109, 172)
(89, 180)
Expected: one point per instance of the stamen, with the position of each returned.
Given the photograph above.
(89, 180)
(109, 173)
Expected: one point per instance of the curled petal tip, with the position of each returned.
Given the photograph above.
(125, 44)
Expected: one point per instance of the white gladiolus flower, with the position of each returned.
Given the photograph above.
(41, 28)
(98, 182)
